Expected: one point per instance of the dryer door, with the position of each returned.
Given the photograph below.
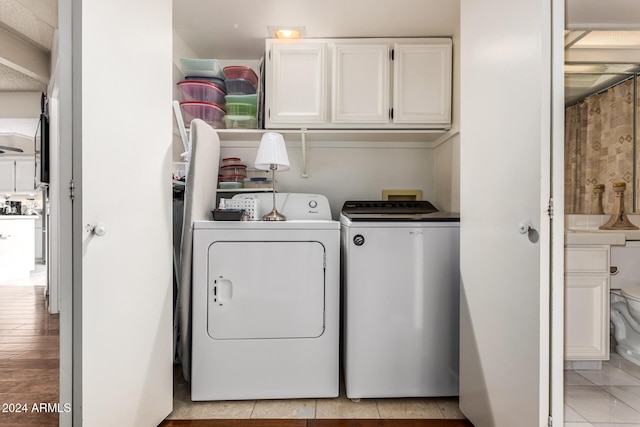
(272, 289)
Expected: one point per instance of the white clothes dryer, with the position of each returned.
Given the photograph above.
(266, 303)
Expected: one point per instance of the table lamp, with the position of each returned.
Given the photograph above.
(272, 155)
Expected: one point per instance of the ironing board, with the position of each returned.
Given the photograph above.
(203, 157)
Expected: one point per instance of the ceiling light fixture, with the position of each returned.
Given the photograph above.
(286, 32)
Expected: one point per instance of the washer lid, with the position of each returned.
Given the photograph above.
(631, 292)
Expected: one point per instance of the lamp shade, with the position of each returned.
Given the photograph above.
(272, 151)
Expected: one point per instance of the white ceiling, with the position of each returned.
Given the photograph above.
(26, 35)
(237, 29)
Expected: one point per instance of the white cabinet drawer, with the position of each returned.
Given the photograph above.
(586, 259)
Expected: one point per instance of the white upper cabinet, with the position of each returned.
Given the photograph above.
(17, 175)
(422, 83)
(7, 176)
(359, 83)
(25, 175)
(296, 84)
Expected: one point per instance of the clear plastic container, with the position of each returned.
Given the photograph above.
(233, 178)
(231, 161)
(240, 122)
(230, 184)
(192, 90)
(231, 170)
(210, 113)
(242, 99)
(235, 109)
(216, 81)
(239, 87)
(202, 68)
(258, 173)
(241, 72)
(264, 183)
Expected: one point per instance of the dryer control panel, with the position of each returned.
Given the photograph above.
(295, 206)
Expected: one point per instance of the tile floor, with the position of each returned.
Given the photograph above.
(606, 398)
(603, 398)
(340, 407)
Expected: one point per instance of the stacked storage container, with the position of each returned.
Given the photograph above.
(241, 99)
(233, 174)
(203, 91)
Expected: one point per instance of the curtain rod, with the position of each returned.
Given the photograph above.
(603, 90)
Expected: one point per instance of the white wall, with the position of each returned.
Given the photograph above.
(20, 104)
(447, 154)
(343, 171)
(447, 175)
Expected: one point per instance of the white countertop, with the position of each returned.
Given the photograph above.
(594, 236)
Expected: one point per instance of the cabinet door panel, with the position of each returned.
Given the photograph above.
(7, 176)
(25, 175)
(422, 83)
(586, 316)
(296, 89)
(360, 83)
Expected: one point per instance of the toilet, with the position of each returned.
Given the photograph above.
(625, 299)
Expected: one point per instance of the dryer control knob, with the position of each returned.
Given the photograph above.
(313, 204)
(358, 240)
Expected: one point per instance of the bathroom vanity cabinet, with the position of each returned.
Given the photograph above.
(586, 325)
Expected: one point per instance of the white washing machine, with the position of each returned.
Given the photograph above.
(401, 284)
(265, 307)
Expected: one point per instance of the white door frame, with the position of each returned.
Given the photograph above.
(64, 211)
(556, 398)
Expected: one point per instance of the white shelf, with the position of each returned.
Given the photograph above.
(245, 190)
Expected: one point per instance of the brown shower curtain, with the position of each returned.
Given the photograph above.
(599, 141)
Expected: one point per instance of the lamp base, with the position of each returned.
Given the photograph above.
(274, 215)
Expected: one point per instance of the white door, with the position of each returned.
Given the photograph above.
(122, 129)
(296, 83)
(360, 83)
(507, 365)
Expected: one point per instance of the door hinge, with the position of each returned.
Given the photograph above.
(391, 113)
(392, 54)
(550, 423)
(550, 208)
(72, 190)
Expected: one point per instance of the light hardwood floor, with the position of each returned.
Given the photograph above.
(29, 356)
